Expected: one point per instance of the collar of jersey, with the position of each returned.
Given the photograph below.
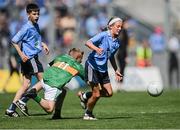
(109, 34)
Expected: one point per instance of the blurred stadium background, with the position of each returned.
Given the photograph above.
(69, 23)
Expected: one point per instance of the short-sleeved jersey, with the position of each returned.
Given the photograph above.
(109, 45)
(30, 39)
(57, 77)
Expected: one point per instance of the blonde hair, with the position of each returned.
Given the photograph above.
(112, 20)
(73, 50)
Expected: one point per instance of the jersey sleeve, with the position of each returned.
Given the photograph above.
(96, 40)
(19, 35)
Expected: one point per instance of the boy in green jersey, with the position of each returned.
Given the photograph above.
(62, 69)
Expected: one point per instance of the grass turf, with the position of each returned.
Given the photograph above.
(125, 110)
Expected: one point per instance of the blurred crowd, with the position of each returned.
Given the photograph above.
(74, 20)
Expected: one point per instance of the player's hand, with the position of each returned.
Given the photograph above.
(24, 57)
(99, 51)
(46, 49)
(118, 75)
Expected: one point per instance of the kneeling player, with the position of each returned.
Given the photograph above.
(62, 70)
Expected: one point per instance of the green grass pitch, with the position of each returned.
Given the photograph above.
(125, 110)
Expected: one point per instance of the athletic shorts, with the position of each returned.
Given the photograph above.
(50, 93)
(31, 66)
(94, 76)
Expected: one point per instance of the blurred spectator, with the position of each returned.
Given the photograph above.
(173, 68)
(4, 3)
(122, 52)
(43, 22)
(103, 4)
(70, 4)
(4, 36)
(13, 60)
(157, 40)
(91, 26)
(144, 55)
(68, 25)
(102, 19)
(157, 44)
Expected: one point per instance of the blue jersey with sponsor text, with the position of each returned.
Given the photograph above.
(30, 39)
(109, 45)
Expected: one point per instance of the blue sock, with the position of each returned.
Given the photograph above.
(12, 107)
(24, 99)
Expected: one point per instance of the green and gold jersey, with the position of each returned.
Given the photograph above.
(64, 67)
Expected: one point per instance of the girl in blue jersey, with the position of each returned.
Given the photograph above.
(103, 46)
(31, 45)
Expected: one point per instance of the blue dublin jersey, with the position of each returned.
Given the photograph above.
(109, 45)
(30, 39)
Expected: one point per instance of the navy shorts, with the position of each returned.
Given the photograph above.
(94, 76)
(31, 66)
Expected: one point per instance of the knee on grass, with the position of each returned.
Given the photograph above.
(49, 110)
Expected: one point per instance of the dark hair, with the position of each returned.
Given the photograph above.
(32, 7)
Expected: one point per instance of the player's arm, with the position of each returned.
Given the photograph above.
(57, 58)
(51, 63)
(114, 65)
(94, 42)
(21, 54)
(45, 47)
(81, 72)
(17, 39)
(13, 61)
(79, 67)
(90, 45)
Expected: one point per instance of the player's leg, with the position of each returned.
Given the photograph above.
(97, 92)
(37, 66)
(75, 83)
(50, 96)
(94, 98)
(47, 104)
(33, 67)
(106, 90)
(19, 93)
(58, 104)
(21, 103)
(92, 77)
(84, 96)
(92, 101)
